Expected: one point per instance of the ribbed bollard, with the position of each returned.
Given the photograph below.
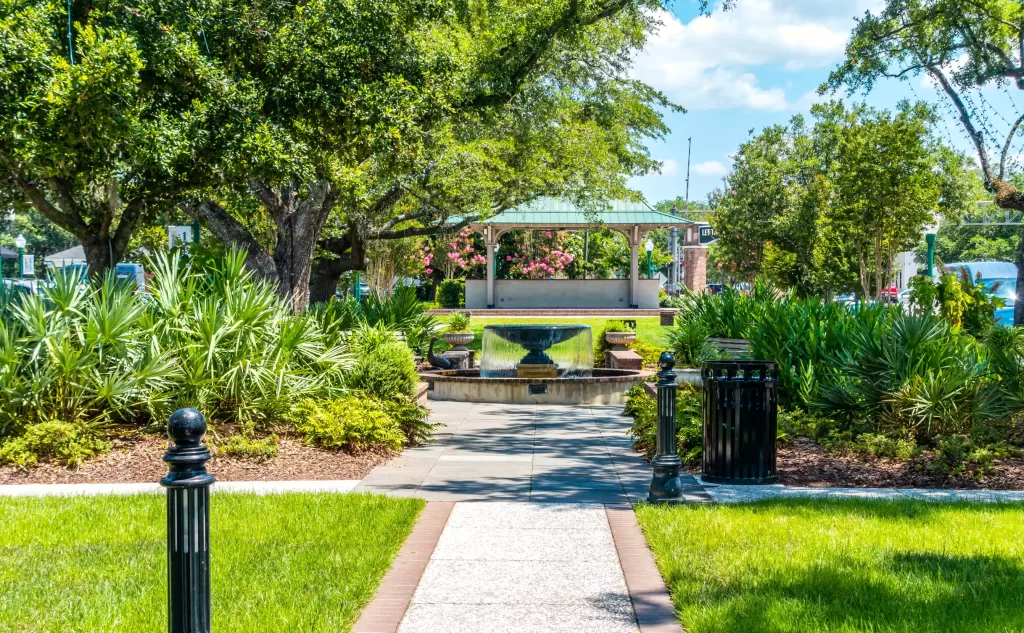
(188, 525)
(666, 486)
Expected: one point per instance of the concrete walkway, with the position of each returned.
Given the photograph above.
(494, 452)
(529, 546)
(510, 567)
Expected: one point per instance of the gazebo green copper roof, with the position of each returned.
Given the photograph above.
(558, 212)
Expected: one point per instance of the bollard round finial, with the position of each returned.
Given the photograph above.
(187, 427)
(667, 361)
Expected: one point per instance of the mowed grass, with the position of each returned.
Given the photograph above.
(842, 566)
(290, 562)
(648, 328)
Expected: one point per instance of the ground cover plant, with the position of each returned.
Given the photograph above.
(841, 565)
(290, 562)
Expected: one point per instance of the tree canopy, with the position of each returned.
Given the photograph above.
(966, 47)
(827, 207)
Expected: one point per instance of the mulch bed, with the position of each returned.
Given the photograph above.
(140, 460)
(805, 463)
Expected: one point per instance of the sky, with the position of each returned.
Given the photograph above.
(755, 66)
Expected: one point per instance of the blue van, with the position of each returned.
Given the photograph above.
(990, 273)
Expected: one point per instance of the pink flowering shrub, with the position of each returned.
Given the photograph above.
(539, 256)
(458, 255)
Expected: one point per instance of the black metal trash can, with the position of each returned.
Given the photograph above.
(741, 413)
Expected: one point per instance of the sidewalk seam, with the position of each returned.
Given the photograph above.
(385, 612)
(647, 591)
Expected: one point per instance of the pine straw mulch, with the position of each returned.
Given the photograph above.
(806, 463)
(139, 459)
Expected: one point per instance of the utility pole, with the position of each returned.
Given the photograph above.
(686, 204)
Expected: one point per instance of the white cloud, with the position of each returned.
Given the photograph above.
(711, 168)
(669, 167)
(710, 62)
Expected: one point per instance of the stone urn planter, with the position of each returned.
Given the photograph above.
(620, 340)
(459, 340)
(688, 376)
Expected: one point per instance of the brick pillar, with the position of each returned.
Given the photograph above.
(695, 275)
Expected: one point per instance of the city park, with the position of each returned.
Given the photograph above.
(343, 316)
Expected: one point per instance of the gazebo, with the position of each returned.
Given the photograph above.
(632, 219)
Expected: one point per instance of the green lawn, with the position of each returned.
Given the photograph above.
(295, 562)
(849, 566)
(648, 328)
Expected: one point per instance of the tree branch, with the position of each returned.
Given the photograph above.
(71, 221)
(965, 118)
(127, 223)
(570, 19)
(1006, 147)
(422, 230)
(233, 233)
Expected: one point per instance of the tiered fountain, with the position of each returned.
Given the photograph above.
(541, 363)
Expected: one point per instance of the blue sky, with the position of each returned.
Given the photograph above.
(749, 68)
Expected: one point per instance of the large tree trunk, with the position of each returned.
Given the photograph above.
(299, 221)
(350, 254)
(99, 254)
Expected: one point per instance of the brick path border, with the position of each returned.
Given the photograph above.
(386, 610)
(647, 591)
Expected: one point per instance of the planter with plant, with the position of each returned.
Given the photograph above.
(458, 334)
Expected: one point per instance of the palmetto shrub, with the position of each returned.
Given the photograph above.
(240, 352)
(212, 338)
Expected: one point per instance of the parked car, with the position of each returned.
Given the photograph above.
(992, 273)
(715, 289)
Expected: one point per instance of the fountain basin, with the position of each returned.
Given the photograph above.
(604, 386)
(536, 350)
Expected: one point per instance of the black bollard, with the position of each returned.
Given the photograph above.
(188, 525)
(666, 486)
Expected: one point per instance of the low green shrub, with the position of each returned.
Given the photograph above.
(411, 418)
(353, 423)
(649, 352)
(451, 293)
(960, 455)
(245, 446)
(878, 445)
(386, 371)
(795, 423)
(64, 442)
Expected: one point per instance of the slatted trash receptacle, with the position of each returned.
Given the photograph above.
(740, 421)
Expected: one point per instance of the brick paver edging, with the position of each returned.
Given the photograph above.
(647, 591)
(386, 610)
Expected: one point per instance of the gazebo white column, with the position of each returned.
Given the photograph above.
(634, 265)
(490, 239)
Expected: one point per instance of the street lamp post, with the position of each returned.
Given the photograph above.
(930, 233)
(496, 246)
(650, 251)
(21, 243)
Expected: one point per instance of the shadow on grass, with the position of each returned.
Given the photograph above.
(901, 591)
(897, 510)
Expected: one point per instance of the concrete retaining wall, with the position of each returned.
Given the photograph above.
(569, 392)
(518, 294)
